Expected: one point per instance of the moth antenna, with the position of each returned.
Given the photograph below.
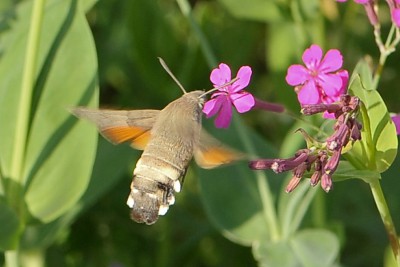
(164, 65)
(219, 87)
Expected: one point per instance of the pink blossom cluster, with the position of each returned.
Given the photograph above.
(321, 80)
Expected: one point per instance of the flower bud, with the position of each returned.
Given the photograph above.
(326, 182)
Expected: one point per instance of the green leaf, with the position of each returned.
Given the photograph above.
(60, 151)
(292, 207)
(9, 230)
(378, 147)
(315, 247)
(271, 254)
(347, 171)
(233, 203)
(260, 10)
(88, 4)
(306, 248)
(109, 168)
(232, 194)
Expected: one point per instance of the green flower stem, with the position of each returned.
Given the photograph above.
(28, 79)
(263, 186)
(386, 218)
(386, 49)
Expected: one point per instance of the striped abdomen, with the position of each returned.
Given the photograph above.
(155, 180)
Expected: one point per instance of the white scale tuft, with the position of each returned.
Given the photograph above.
(163, 209)
(130, 202)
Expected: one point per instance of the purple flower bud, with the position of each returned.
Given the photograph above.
(355, 132)
(293, 183)
(333, 162)
(261, 164)
(354, 103)
(339, 138)
(260, 104)
(279, 165)
(318, 108)
(315, 178)
(286, 165)
(371, 12)
(326, 182)
(299, 170)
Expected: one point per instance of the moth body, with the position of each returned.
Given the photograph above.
(160, 170)
(169, 138)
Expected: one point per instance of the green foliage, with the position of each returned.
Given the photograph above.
(69, 202)
(306, 248)
(59, 151)
(378, 147)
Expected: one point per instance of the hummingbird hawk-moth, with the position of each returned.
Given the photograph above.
(169, 138)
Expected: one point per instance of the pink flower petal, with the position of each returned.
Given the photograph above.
(244, 75)
(331, 84)
(243, 102)
(211, 107)
(309, 94)
(312, 57)
(344, 75)
(328, 115)
(220, 75)
(332, 61)
(224, 116)
(296, 75)
(396, 16)
(396, 121)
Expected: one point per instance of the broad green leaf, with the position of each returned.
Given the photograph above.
(306, 248)
(260, 10)
(9, 230)
(232, 194)
(378, 147)
(347, 171)
(270, 254)
(109, 167)
(293, 206)
(88, 4)
(363, 70)
(232, 201)
(60, 151)
(315, 247)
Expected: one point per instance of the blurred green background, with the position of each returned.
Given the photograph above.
(266, 35)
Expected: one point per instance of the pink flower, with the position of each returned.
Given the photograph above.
(221, 102)
(320, 80)
(396, 16)
(394, 6)
(396, 121)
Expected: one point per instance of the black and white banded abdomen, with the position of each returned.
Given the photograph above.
(155, 180)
